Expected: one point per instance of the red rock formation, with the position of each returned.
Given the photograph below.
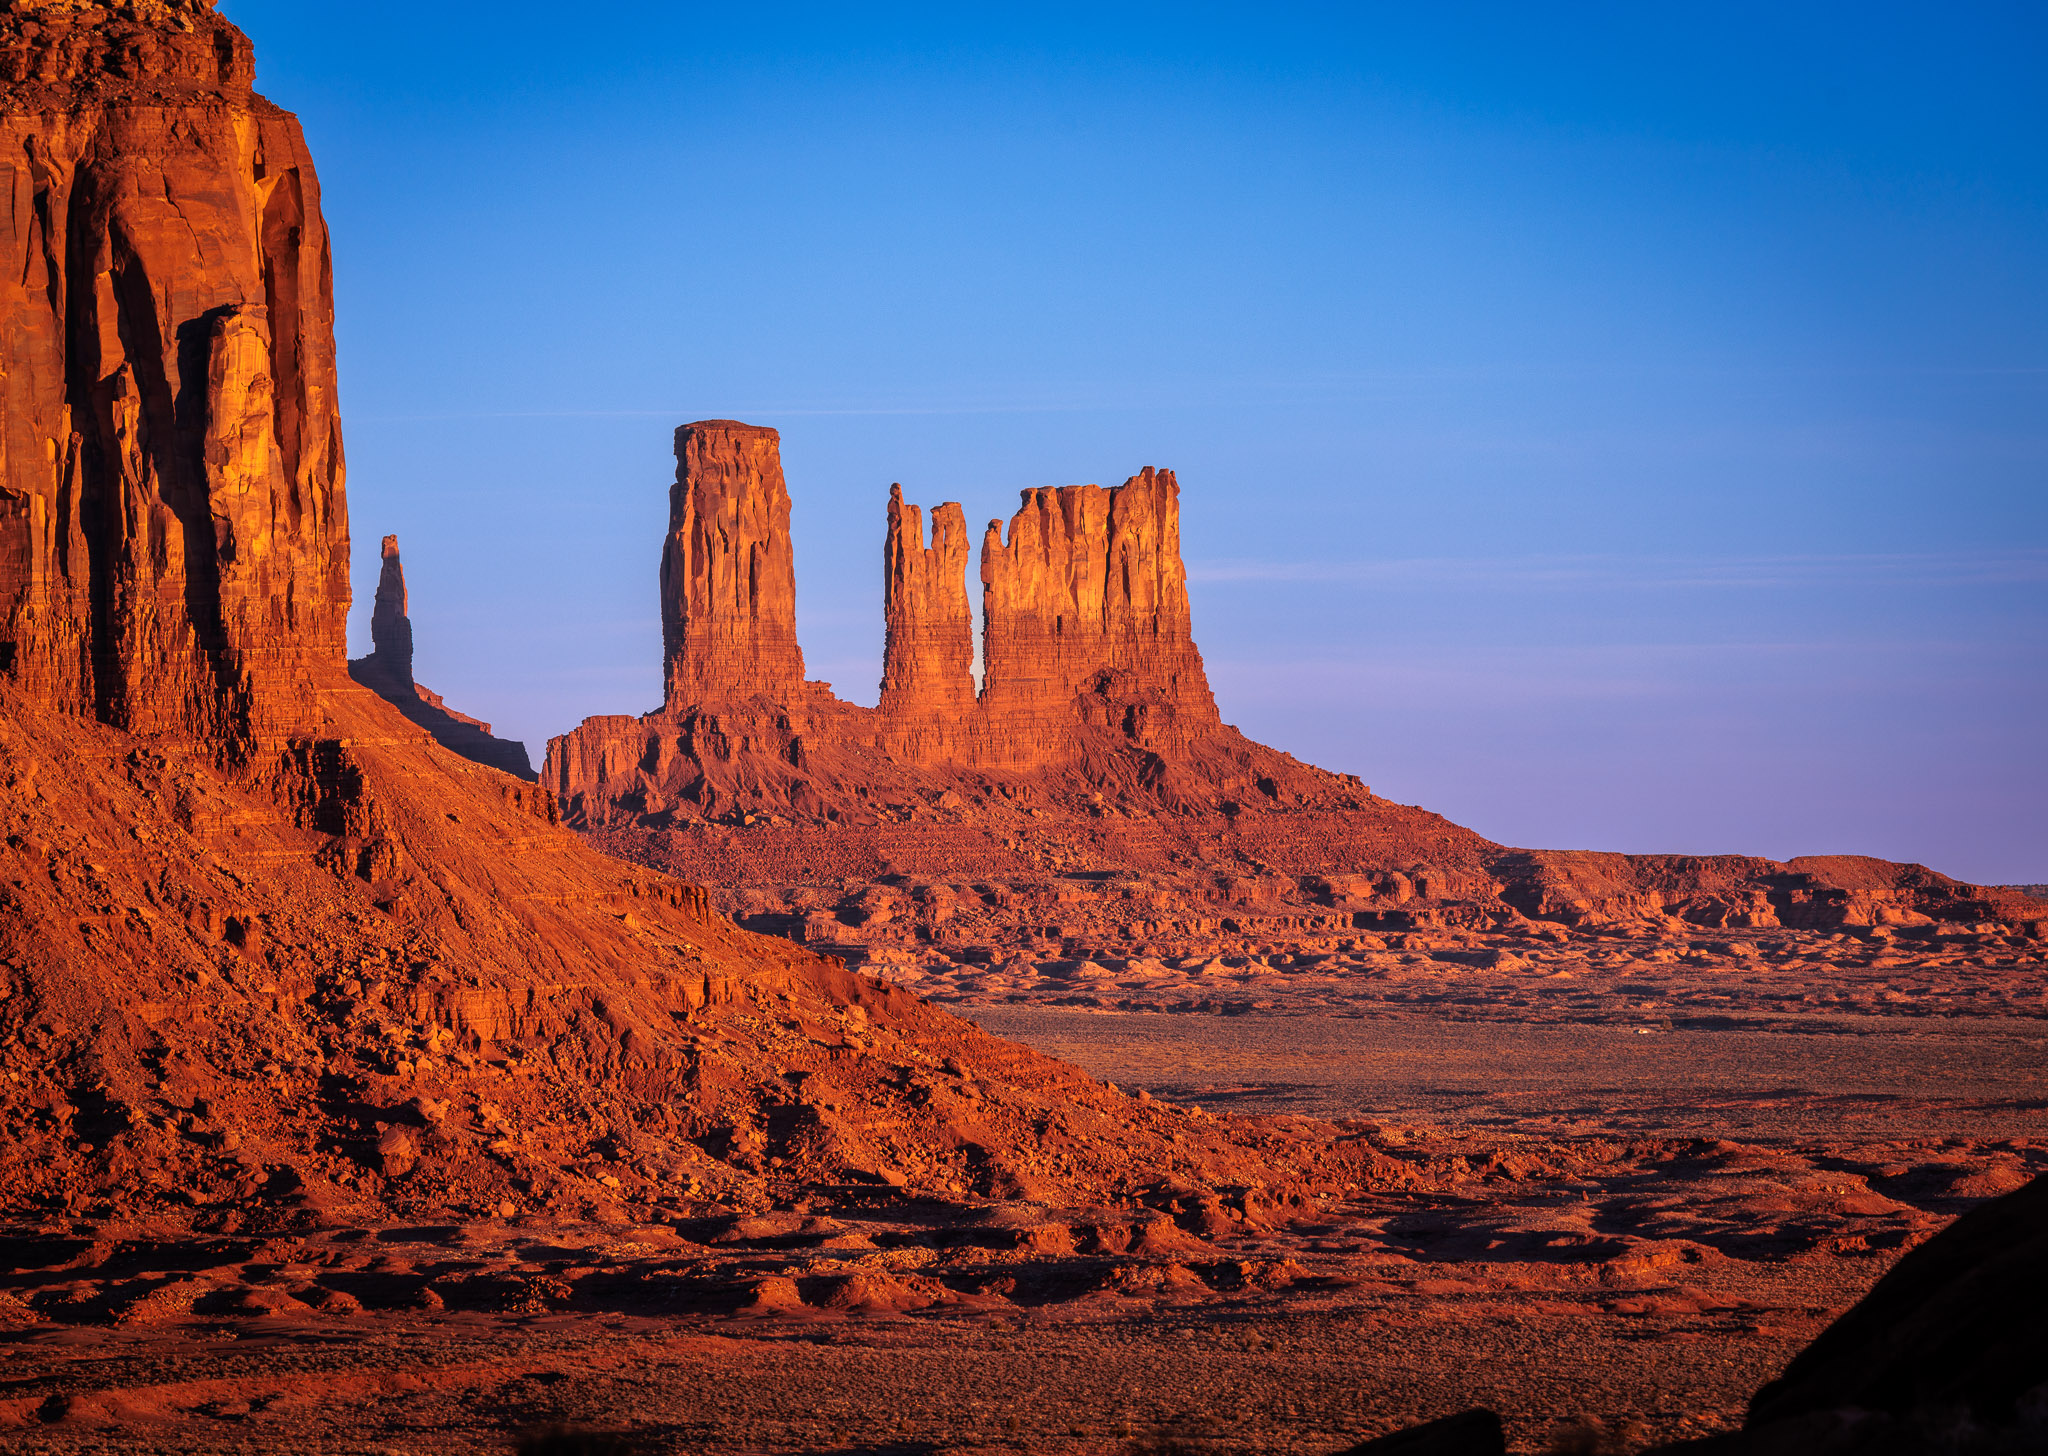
(173, 536)
(728, 575)
(387, 671)
(1086, 607)
(1094, 747)
(1093, 672)
(391, 619)
(319, 948)
(928, 660)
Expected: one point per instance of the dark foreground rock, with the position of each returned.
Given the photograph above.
(1948, 1353)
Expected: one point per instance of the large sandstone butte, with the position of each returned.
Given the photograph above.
(173, 534)
(266, 949)
(1092, 686)
(1084, 815)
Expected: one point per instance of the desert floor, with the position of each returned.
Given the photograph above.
(1620, 1234)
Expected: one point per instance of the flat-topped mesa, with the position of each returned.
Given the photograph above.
(728, 573)
(65, 49)
(928, 658)
(173, 531)
(1085, 612)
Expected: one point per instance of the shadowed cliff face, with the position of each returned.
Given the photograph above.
(391, 621)
(387, 672)
(173, 535)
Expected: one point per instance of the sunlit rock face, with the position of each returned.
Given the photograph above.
(728, 573)
(173, 534)
(1087, 612)
(1091, 668)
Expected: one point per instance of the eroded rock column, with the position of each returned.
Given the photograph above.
(391, 619)
(928, 658)
(728, 574)
(1085, 615)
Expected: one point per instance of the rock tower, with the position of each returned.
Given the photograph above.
(387, 671)
(1090, 662)
(728, 575)
(173, 532)
(1086, 607)
(928, 691)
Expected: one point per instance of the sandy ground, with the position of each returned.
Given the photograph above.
(1604, 1227)
(1762, 1080)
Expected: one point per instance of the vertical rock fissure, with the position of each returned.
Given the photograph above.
(283, 231)
(176, 561)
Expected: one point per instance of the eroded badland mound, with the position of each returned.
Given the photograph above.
(1083, 827)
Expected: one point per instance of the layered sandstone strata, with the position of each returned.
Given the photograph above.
(173, 535)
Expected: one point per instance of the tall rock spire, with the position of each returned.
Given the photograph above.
(728, 574)
(173, 531)
(387, 671)
(928, 656)
(391, 622)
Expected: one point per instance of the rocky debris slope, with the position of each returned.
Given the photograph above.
(387, 672)
(231, 1008)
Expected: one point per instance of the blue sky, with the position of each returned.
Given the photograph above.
(1613, 426)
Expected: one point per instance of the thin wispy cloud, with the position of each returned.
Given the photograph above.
(1594, 572)
(745, 411)
(1380, 677)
